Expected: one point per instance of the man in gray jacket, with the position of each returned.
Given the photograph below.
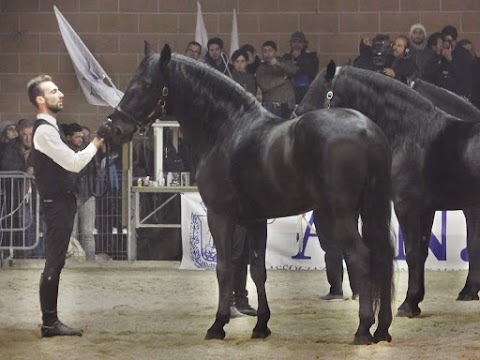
(274, 78)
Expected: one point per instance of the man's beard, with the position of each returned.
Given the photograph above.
(54, 108)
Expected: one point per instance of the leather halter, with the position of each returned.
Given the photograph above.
(161, 108)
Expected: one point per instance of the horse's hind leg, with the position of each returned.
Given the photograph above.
(345, 231)
(416, 227)
(257, 239)
(472, 285)
(221, 228)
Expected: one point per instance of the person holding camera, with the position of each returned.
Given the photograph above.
(404, 67)
(374, 54)
(436, 62)
(381, 56)
(461, 60)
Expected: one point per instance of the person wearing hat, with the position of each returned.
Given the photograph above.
(306, 61)
(418, 36)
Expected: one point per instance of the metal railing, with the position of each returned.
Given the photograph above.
(19, 214)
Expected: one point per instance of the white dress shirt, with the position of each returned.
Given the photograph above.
(47, 140)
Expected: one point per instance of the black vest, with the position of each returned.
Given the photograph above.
(52, 179)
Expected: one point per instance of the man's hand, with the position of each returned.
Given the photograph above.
(98, 142)
(389, 72)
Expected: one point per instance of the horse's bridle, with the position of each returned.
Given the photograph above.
(160, 108)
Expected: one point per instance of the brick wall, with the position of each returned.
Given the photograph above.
(114, 31)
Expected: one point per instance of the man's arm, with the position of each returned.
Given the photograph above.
(47, 140)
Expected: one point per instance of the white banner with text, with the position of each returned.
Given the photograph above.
(293, 244)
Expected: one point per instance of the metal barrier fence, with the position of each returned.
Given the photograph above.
(22, 225)
(19, 215)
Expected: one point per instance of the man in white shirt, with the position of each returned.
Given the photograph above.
(55, 165)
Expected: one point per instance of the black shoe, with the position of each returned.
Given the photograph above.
(333, 297)
(59, 329)
(234, 313)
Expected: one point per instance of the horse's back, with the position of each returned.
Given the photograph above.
(303, 161)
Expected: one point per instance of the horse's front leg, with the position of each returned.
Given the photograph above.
(221, 227)
(472, 285)
(257, 240)
(416, 227)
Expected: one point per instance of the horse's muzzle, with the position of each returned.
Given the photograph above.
(105, 129)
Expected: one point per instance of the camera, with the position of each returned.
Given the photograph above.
(381, 51)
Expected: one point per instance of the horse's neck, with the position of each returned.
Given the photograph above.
(200, 118)
(450, 103)
(398, 117)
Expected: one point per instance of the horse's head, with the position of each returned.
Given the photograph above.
(145, 97)
(321, 92)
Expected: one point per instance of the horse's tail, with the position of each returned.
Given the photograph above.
(375, 211)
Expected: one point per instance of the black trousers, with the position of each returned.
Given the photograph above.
(59, 217)
(334, 266)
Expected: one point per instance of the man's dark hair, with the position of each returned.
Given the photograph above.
(247, 47)
(450, 30)
(72, 128)
(194, 43)
(270, 43)
(33, 87)
(215, 40)
(432, 39)
(238, 53)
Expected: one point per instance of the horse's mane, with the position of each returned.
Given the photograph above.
(217, 101)
(447, 101)
(397, 108)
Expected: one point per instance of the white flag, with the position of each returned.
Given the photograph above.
(200, 31)
(90, 74)
(234, 41)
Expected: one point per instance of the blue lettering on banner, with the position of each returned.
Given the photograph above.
(438, 248)
(308, 234)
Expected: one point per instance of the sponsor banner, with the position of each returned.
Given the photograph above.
(292, 242)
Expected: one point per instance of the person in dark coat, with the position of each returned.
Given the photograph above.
(306, 62)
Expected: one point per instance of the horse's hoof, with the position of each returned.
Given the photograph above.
(467, 297)
(217, 335)
(382, 336)
(366, 339)
(261, 334)
(405, 311)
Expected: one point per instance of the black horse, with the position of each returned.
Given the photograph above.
(254, 165)
(434, 165)
(457, 106)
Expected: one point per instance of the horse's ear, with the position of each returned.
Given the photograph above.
(331, 68)
(147, 50)
(165, 56)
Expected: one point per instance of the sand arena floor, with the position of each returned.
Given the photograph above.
(152, 310)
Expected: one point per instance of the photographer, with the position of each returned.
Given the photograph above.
(404, 66)
(375, 54)
(380, 56)
(435, 62)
